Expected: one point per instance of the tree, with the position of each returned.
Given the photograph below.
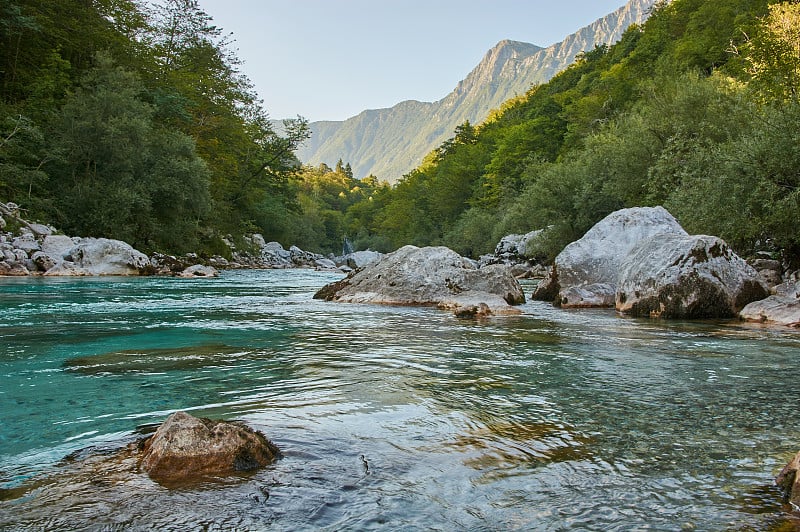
(116, 174)
(774, 53)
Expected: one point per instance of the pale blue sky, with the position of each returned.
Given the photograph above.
(331, 59)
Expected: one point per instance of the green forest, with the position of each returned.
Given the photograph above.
(137, 123)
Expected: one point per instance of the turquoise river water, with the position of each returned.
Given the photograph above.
(389, 418)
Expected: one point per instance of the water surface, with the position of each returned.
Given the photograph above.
(388, 417)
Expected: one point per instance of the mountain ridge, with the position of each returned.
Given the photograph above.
(390, 142)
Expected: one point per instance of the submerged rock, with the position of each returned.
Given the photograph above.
(788, 480)
(774, 310)
(477, 305)
(426, 276)
(186, 448)
(586, 272)
(681, 276)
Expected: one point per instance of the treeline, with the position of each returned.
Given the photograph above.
(131, 122)
(127, 121)
(696, 110)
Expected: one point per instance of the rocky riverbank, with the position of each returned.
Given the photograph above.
(638, 260)
(29, 248)
(642, 262)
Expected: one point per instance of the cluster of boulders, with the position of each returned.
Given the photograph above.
(36, 249)
(261, 254)
(643, 263)
(435, 276)
(519, 252)
(639, 261)
(28, 248)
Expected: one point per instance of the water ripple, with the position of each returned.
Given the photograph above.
(388, 417)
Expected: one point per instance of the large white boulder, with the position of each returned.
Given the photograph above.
(681, 276)
(359, 259)
(274, 256)
(781, 308)
(585, 273)
(426, 276)
(56, 246)
(199, 270)
(26, 242)
(101, 256)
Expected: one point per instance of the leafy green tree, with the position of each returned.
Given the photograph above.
(22, 156)
(774, 53)
(753, 180)
(116, 174)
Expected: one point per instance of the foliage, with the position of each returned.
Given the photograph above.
(324, 197)
(115, 173)
(126, 121)
(775, 53)
(696, 110)
(141, 126)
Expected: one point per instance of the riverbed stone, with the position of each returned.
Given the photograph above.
(199, 270)
(359, 259)
(682, 276)
(103, 256)
(788, 480)
(477, 305)
(774, 310)
(275, 256)
(423, 276)
(43, 261)
(13, 269)
(325, 264)
(186, 448)
(40, 230)
(66, 268)
(586, 272)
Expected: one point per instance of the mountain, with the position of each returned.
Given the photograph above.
(390, 142)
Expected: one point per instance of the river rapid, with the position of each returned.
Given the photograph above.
(388, 418)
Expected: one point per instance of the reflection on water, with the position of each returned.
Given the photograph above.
(400, 418)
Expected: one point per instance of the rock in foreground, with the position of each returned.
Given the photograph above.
(788, 480)
(585, 273)
(186, 448)
(681, 276)
(427, 276)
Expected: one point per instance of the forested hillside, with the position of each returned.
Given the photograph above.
(391, 142)
(696, 110)
(123, 121)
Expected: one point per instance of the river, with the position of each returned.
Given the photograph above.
(390, 418)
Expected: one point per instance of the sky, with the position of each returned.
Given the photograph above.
(332, 59)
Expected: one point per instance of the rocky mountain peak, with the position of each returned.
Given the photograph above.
(390, 142)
